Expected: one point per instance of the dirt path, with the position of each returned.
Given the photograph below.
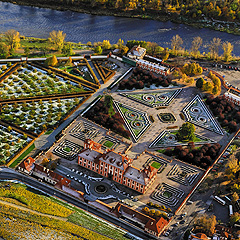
(32, 211)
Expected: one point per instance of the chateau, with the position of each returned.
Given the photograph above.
(116, 167)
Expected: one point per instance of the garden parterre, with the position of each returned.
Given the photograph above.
(36, 116)
(10, 142)
(30, 81)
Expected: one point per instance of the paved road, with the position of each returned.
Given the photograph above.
(8, 174)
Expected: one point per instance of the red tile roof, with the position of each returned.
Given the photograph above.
(27, 164)
(156, 225)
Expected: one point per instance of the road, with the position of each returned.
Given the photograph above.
(8, 174)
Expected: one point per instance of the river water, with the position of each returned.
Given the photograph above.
(79, 27)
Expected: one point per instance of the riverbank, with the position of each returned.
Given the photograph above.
(229, 27)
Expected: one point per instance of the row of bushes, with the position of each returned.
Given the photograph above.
(161, 207)
(201, 157)
(154, 213)
(228, 114)
(141, 78)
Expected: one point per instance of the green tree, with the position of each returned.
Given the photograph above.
(67, 49)
(98, 50)
(186, 132)
(12, 39)
(26, 51)
(4, 50)
(57, 38)
(227, 48)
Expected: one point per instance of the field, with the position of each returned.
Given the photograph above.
(24, 210)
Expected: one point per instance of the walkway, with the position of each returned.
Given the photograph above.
(95, 71)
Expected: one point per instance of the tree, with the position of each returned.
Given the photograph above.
(67, 49)
(165, 54)
(235, 197)
(208, 86)
(234, 218)
(206, 224)
(106, 44)
(176, 43)
(4, 50)
(98, 50)
(26, 51)
(12, 39)
(186, 132)
(51, 61)
(200, 82)
(214, 47)
(227, 48)
(57, 38)
(196, 44)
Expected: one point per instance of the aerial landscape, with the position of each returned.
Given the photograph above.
(120, 120)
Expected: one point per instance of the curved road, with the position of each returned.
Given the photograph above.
(8, 174)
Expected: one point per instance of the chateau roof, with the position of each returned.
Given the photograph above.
(27, 164)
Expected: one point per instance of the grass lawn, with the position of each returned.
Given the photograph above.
(167, 194)
(156, 165)
(67, 149)
(49, 132)
(108, 144)
(22, 156)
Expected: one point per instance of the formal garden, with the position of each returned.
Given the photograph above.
(37, 116)
(197, 113)
(168, 138)
(79, 68)
(143, 79)
(10, 143)
(29, 81)
(154, 99)
(167, 195)
(105, 68)
(136, 121)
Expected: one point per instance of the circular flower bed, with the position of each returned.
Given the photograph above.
(148, 98)
(196, 110)
(131, 115)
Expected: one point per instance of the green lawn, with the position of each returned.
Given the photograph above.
(49, 132)
(22, 156)
(108, 144)
(167, 194)
(156, 165)
(67, 149)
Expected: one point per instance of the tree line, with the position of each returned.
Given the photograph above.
(10, 41)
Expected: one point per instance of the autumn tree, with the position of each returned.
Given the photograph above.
(12, 39)
(206, 224)
(106, 44)
(214, 47)
(98, 50)
(165, 54)
(235, 217)
(57, 38)
(176, 43)
(51, 61)
(196, 44)
(235, 197)
(227, 51)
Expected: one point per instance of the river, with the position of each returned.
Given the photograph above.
(79, 27)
